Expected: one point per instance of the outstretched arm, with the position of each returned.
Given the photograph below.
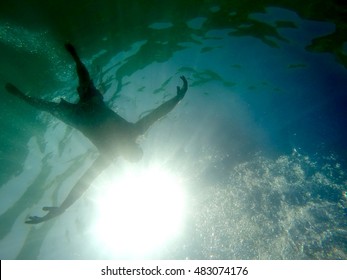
(77, 191)
(143, 124)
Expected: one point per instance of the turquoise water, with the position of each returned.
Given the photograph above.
(250, 165)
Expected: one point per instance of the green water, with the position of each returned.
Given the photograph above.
(258, 142)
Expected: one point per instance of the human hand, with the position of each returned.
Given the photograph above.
(52, 212)
(181, 91)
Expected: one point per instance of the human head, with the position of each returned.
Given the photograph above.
(132, 152)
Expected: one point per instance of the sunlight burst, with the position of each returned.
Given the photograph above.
(140, 212)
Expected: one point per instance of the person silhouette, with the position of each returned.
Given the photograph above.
(112, 135)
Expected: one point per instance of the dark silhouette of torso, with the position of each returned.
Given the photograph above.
(112, 135)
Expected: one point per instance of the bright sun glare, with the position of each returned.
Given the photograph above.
(140, 212)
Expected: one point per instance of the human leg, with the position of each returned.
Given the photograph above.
(86, 89)
(82, 72)
(35, 102)
(62, 110)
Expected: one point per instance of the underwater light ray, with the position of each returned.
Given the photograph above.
(139, 212)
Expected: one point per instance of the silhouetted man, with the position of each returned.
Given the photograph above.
(109, 132)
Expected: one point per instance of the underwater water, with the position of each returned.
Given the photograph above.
(251, 164)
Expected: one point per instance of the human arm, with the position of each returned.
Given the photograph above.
(181, 91)
(143, 124)
(77, 191)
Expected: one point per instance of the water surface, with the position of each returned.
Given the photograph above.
(250, 165)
